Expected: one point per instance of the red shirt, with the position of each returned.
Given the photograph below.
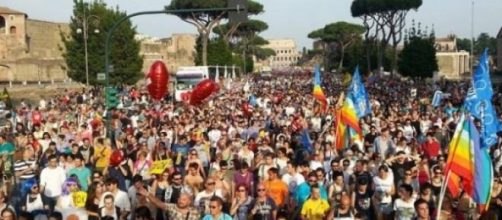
(431, 149)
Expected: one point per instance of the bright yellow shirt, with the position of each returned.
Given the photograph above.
(104, 154)
(315, 209)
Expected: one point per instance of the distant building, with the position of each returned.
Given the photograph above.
(175, 51)
(453, 64)
(499, 50)
(30, 50)
(286, 53)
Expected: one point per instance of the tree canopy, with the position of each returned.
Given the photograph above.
(124, 56)
(388, 18)
(418, 58)
(342, 34)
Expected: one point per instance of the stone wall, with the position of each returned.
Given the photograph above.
(37, 56)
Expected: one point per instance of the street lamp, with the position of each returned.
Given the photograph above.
(84, 22)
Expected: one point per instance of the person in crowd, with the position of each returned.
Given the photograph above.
(83, 173)
(422, 210)
(216, 210)
(263, 207)
(110, 209)
(304, 189)
(241, 203)
(95, 193)
(34, 202)
(120, 198)
(182, 209)
(276, 188)
(404, 205)
(314, 208)
(52, 179)
(175, 188)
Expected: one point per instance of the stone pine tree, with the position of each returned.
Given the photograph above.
(418, 57)
(124, 49)
(389, 17)
(342, 34)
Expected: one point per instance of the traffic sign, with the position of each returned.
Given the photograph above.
(101, 77)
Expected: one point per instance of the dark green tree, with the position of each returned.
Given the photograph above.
(389, 17)
(483, 41)
(418, 57)
(205, 22)
(124, 56)
(463, 44)
(342, 34)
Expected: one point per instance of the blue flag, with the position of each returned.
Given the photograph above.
(306, 142)
(481, 78)
(317, 75)
(436, 100)
(485, 112)
(252, 100)
(358, 94)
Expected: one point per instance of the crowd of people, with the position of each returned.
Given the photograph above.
(60, 158)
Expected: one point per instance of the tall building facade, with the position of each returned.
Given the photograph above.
(453, 64)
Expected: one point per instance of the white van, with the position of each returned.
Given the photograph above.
(188, 77)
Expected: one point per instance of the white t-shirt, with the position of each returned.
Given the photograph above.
(202, 199)
(293, 181)
(404, 210)
(52, 179)
(383, 186)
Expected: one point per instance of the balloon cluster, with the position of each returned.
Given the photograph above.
(158, 79)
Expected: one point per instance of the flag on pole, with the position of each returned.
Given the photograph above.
(318, 93)
(349, 115)
(341, 131)
(484, 111)
(460, 158)
(437, 98)
(481, 78)
(357, 92)
(483, 177)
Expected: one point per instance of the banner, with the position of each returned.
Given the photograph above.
(79, 199)
(159, 166)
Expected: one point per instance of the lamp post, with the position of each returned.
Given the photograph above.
(84, 22)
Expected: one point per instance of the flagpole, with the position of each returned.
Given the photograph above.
(445, 181)
(442, 193)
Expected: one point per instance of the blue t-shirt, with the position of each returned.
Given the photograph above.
(7, 148)
(224, 216)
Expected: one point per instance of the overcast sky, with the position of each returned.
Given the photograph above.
(288, 18)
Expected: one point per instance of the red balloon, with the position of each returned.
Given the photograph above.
(203, 90)
(278, 99)
(159, 78)
(116, 158)
(36, 117)
(296, 124)
(185, 96)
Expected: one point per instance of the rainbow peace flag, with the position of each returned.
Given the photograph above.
(347, 125)
(318, 93)
(460, 159)
(467, 161)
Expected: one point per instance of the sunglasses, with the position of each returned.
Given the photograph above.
(213, 183)
(176, 179)
(261, 190)
(407, 174)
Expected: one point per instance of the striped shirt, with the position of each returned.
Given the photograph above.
(22, 165)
